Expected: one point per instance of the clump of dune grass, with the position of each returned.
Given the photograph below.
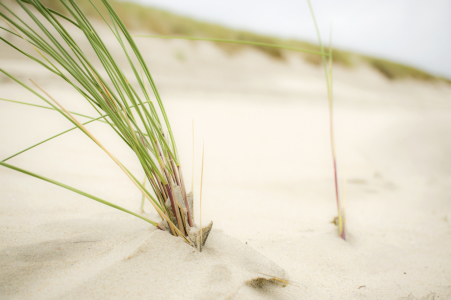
(136, 115)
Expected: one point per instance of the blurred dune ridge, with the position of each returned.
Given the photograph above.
(161, 22)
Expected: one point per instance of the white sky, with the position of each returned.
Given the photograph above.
(415, 32)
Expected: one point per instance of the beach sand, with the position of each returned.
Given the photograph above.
(268, 186)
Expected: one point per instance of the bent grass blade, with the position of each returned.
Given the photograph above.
(76, 191)
(52, 137)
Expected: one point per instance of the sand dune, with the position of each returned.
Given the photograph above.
(268, 186)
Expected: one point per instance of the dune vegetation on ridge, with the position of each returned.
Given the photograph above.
(161, 22)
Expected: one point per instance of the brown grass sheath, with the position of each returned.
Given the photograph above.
(157, 190)
(159, 195)
(175, 209)
(188, 209)
(182, 186)
(174, 169)
(160, 185)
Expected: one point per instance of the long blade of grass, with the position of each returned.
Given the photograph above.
(200, 200)
(50, 138)
(342, 219)
(57, 14)
(46, 107)
(234, 42)
(328, 73)
(76, 191)
(192, 171)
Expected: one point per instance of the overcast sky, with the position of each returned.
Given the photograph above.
(415, 32)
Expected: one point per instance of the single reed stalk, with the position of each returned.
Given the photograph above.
(192, 171)
(342, 222)
(200, 200)
(328, 73)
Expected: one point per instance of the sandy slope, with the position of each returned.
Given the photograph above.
(268, 186)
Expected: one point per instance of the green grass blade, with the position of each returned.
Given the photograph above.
(235, 42)
(76, 191)
(50, 138)
(328, 73)
(56, 13)
(50, 108)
